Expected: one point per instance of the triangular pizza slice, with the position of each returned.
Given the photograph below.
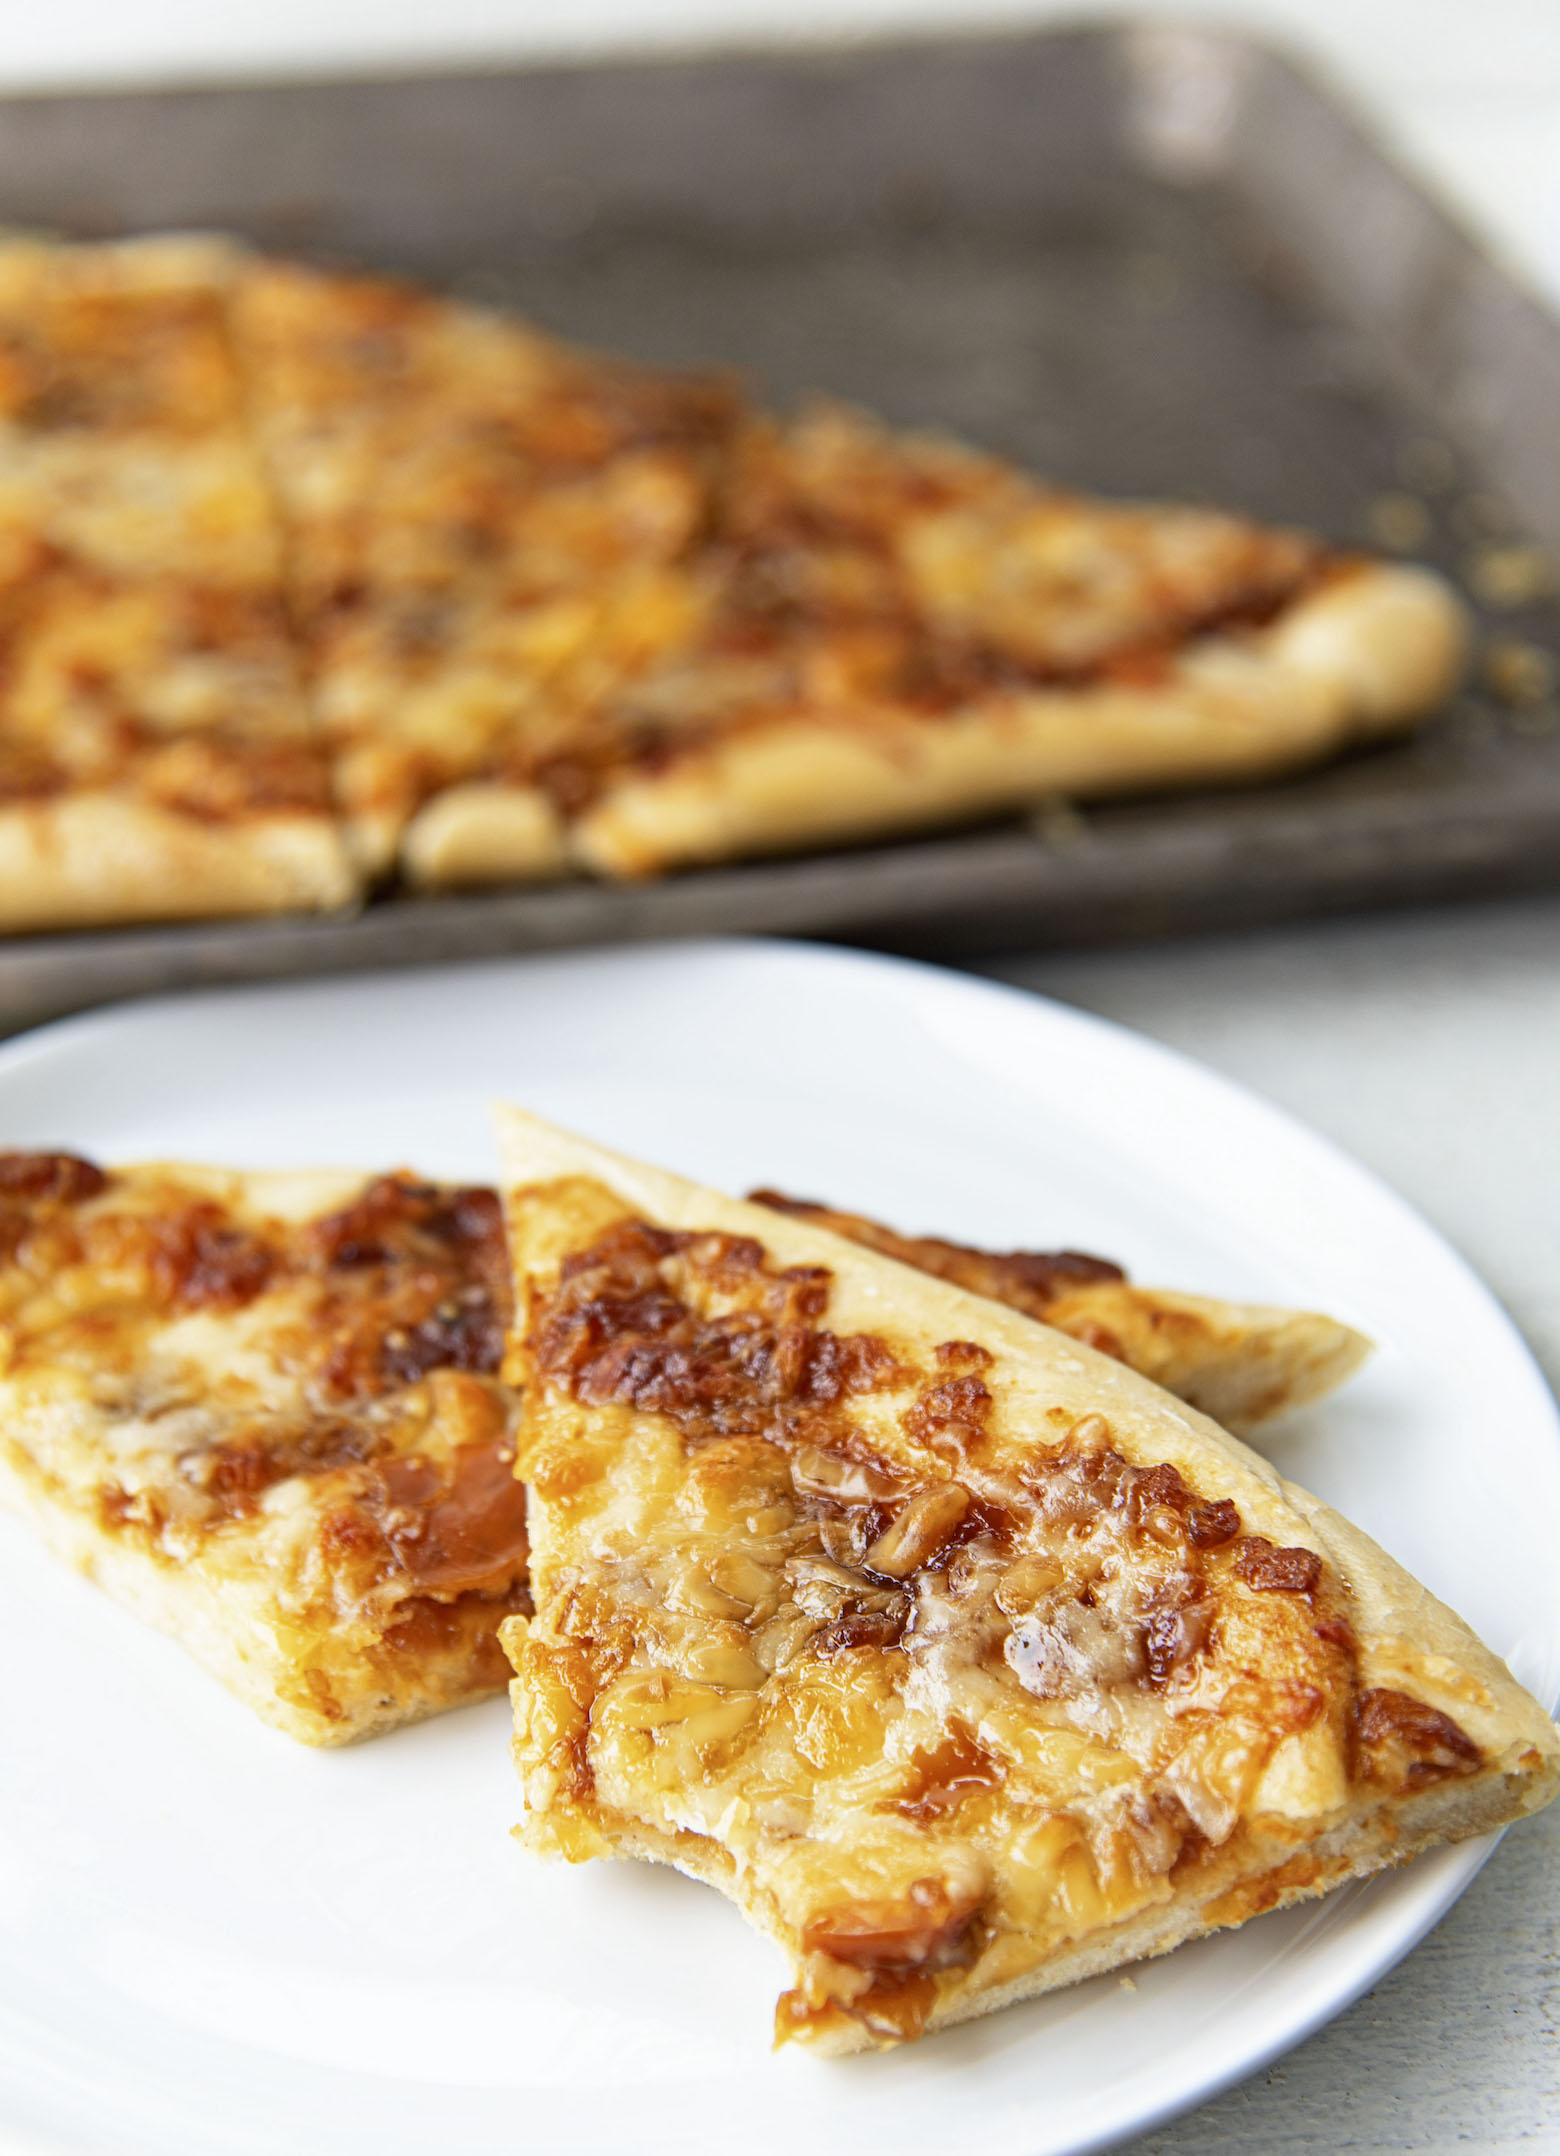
(888, 631)
(264, 1412)
(965, 1659)
(563, 611)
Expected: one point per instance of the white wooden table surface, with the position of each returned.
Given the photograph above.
(1429, 1045)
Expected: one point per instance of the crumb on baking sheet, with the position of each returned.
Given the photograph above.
(1511, 575)
(1399, 523)
(1058, 823)
(1519, 673)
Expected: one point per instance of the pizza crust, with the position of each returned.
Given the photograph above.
(1355, 1849)
(484, 834)
(100, 859)
(1364, 657)
(1391, 639)
(1242, 1364)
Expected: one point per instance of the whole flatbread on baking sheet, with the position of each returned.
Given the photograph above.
(310, 579)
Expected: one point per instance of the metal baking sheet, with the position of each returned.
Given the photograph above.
(1146, 261)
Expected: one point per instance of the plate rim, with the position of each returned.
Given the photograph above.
(1186, 2088)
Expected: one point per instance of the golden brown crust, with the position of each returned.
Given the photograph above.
(481, 833)
(264, 1412)
(91, 859)
(156, 756)
(1231, 707)
(964, 1657)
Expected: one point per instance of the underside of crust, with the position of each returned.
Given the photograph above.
(1247, 1886)
(327, 1692)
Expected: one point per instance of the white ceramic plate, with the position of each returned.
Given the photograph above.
(214, 1941)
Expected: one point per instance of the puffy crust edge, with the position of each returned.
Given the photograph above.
(483, 834)
(98, 859)
(1367, 655)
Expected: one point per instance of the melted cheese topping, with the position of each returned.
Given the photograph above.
(507, 566)
(307, 1403)
(485, 526)
(520, 564)
(850, 574)
(934, 1717)
(143, 647)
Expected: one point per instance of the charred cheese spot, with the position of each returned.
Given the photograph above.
(49, 1178)
(1407, 1744)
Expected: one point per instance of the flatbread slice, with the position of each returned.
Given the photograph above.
(561, 612)
(883, 632)
(156, 757)
(486, 532)
(1243, 1364)
(966, 1660)
(263, 1411)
